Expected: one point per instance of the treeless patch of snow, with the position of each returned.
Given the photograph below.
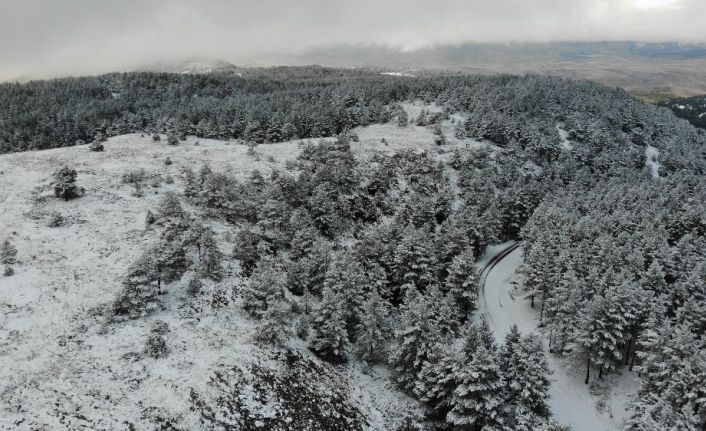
(564, 135)
(651, 155)
(55, 358)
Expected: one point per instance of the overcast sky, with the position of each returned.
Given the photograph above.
(61, 37)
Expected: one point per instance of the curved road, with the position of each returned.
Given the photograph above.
(570, 400)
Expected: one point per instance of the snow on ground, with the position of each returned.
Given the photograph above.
(564, 135)
(382, 404)
(651, 155)
(503, 304)
(61, 367)
(398, 74)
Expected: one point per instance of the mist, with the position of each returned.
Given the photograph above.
(46, 38)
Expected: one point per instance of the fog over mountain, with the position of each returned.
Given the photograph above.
(40, 38)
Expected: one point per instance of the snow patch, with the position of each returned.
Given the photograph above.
(651, 155)
(409, 75)
(564, 135)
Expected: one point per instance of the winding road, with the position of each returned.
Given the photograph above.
(570, 399)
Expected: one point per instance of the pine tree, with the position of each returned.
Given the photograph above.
(415, 339)
(372, 331)
(477, 335)
(437, 378)
(8, 252)
(169, 211)
(564, 311)
(191, 185)
(508, 351)
(331, 338)
(443, 311)
(204, 172)
(528, 376)
(64, 184)
(274, 327)
(604, 328)
(210, 265)
(402, 117)
(246, 250)
(414, 259)
(266, 284)
(462, 283)
(477, 400)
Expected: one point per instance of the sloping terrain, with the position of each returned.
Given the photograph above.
(64, 366)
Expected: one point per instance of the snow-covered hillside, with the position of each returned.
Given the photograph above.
(64, 367)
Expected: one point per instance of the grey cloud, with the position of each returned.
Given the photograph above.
(53, 37)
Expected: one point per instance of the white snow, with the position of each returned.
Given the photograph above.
(383, 405)
(398, 74)
(502, 304)
(55, 356)
(564, 135)
(651, 155)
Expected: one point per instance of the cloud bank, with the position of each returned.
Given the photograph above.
(48, 38)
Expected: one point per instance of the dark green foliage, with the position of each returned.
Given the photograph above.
(331, 338)
(246, 250)
(64, 184)
(266, 285)
(134, 176)
(210, 265)
(156, 346)
(172, 139)
(55, 219)
(308, 102)
(96, 146)
(194, 288)
(8, 252)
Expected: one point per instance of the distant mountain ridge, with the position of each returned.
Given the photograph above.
(194, 66)
(678, 68)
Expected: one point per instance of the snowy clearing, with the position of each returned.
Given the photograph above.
(651, 154)
(58, 357)
(564, 135)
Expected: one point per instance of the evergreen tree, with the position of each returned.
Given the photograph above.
(210, 265)
(415, 339)
(508, 351)
(64, 184)
(346, 277)
(169, 211)
(527, 377)
(266, 285)
(414, 259)
(8, 252)
(462, 283)
(603, 334)
(402, 117)
(246, 250)
(330, 338)
(477, 400)
(372, 329)
(274, 327)
(191, 185)
(443, 311)
(437, 378)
